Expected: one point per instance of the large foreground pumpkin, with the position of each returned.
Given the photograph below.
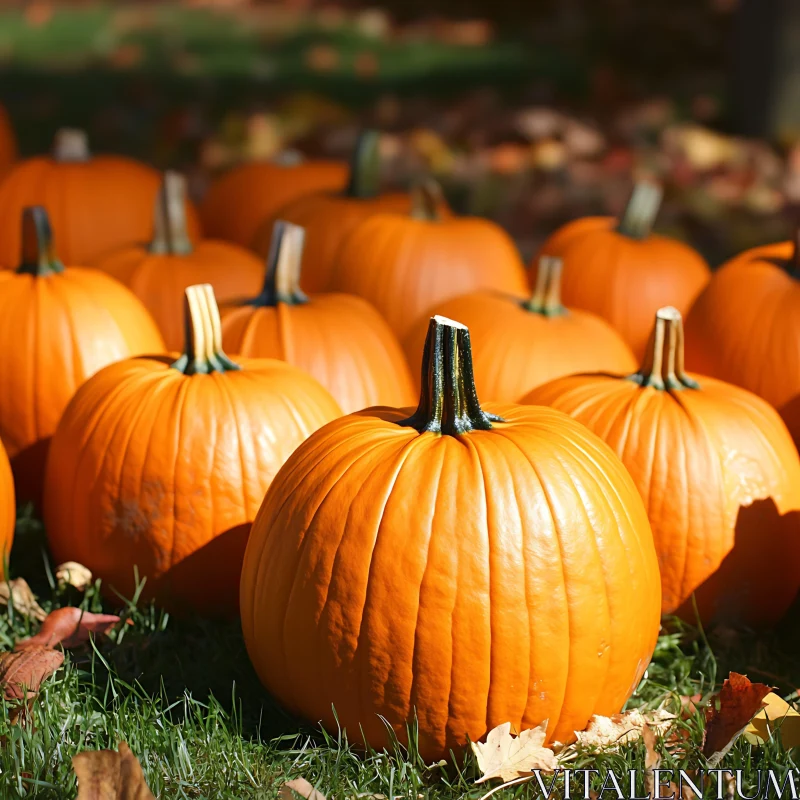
(58, 326)
(159, 465)
(159, 273)
(338, 338)
(466, 566)
(718, 473)
(8, 511)
(522, 342)
(95, 203)
(622, 271)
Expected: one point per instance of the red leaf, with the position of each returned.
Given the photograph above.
(739, 700)
(70, 627)
(22, 673)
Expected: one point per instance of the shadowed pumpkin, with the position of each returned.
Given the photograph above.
(8, 142)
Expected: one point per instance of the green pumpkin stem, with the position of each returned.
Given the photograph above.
(426, 199)
(365, 166)
(38, 255)
(284, 261)
(71, 144)
(203, 349)
(663, 366)
(448, 402)
(640, 214)
(546, 297)
(170, 234)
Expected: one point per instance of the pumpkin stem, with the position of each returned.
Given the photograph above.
(448, 402)
(546, 297)
(282, 281)
(426, 199)
(365, 166)
(663, 366)
(794, 262)
(71, 144)
(642, 209)
(170, 234)
(38, 255)
(203, 350)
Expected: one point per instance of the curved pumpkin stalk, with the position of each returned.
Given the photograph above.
(38, 254)
(284, 264)
(546, 297)
(365, 166)
(640, 214)
(426, 200)
(170, 232)
(71, 144)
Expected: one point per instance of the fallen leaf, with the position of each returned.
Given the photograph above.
(506, 756)
(71, 573)
(18, 594)
(611, 732)
(739, 700)
(69, 627)
(776, 716)
(652, 762)
(689, 705)
(23, 672)
(302, 787)
(110, 775)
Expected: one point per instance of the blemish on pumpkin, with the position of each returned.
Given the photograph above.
(135, 517)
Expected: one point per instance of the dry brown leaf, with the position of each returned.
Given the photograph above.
(506, 756)
(69, 627)
(22, 673)
(301, 787)
(71, 573)
(611, 732)
(18, 594)
(110, 775)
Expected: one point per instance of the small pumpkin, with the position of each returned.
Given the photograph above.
(160, 464)
(239, 202)
(522, 342)
(96, 203)
(338, 338)
(8, 142)
(159, 273)
(623, 272)
(743, 327)
(407, 264)
(435, 564)
(718, 472)
(8, 511)
(58, 326)
(328, 217)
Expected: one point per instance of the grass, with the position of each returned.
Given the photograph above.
(184, 697)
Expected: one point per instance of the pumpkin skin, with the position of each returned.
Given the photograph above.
(521, 343)
(8, 510)
(718, 472)
(96, 203)
(8, 142)
(743, 327)
(162, 464)
(159, 273)
(624, 273)
(239, 201)
(476, 570)
(405, 265)
(58, 326)
(339, 339)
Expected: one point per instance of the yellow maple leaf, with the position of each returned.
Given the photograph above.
(777, 715)
(506, 756)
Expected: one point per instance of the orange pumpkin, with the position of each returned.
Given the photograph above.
(622, 272)
(338, 338)
(159, 273)
(160, 464)
(743, 327)
(58, 326)
(329, 217)
(8, 142)
(406, 265)
(8, 511)
(718, 472)
(521, 342)
(239, 202)
(462, 566)
(95, 203)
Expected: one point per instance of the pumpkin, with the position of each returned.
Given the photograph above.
(623, 272)
(328, 217)
(239, 202)
(743, 327)
(96, 203)
(8, 511)
(58, 326)
(407, 264)
(522, 342)
(458, 565)
(718, 472)
(159, 273)
(160, 463)
(338, 338)
(8, 142)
